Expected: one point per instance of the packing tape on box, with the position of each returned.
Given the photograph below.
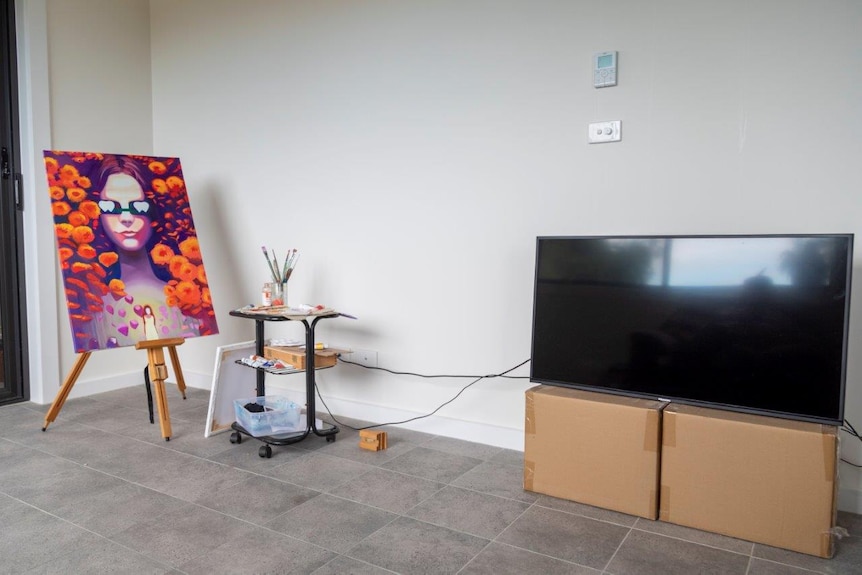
(826, 548)
(653, 502)
(529, 413)
(830, 454)
(664, 503)
(668, 430)
(652, 439)
(529, 473)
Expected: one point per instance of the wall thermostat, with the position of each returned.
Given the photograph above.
(604, 69)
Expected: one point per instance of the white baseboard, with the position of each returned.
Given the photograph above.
(504, 437)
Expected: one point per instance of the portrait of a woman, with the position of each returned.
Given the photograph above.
(131, 262)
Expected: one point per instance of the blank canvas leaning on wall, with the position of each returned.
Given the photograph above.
(131, 263)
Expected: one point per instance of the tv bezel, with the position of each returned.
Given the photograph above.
(695, 402)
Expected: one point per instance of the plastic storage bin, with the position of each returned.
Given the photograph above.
(280, 415)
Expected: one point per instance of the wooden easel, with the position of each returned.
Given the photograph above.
(158, 372)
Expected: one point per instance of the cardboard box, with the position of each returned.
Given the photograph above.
(295, 356)
(762, 479)
(593, 448)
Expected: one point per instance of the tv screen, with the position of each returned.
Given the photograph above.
(747, 323)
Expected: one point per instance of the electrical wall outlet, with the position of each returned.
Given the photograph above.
(366, 357)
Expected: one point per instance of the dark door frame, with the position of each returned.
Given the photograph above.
(12, 286)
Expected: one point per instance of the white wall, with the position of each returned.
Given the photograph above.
(414, 150)
(101, 100)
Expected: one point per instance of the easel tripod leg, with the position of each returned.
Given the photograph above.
(65, 389)
(178, 371)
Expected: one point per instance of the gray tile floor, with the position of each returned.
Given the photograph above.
(102, 492)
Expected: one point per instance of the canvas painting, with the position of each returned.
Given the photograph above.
(131, 262)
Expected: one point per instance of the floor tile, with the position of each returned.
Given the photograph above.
(432, 464)
(847, 559)
(472, 512)
(98, 510)
(499, 559)
(764, 567)
(256, 499)
(331, 522)
(342, 565)
(586, 510)
(695, 536)
(101, 556)
(497, 479)
(410, 546)
(565, 536)
(388, 490)
(319, 471)
(32, 538)
(461, 447)
(509, 457)
(246, 455)
(185, 533)
(645, 553)
(259, 551)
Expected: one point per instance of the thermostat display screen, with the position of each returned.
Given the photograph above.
(605, 61)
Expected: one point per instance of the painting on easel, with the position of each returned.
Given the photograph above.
(131, 263)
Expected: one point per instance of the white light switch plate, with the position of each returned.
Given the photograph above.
(600, 132)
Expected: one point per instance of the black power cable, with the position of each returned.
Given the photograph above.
(476, 380)
(849, 429)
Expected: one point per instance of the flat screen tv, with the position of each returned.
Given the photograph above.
(754, 323)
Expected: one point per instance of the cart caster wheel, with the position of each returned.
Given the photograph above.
(236, 437)
(265, 451)
(330, 439)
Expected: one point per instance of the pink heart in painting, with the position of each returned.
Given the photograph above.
(123, 329)
(133, 324)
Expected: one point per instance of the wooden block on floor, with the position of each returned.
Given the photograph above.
(372, 440)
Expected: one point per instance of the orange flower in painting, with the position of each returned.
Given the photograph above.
(175, 184)
(69, 172)
(157, 167)
(90, 209)
(76, 218)
(160, 186)
(56, 193)
(161, 254)
(117, 287)
(65, 253)
(86, 251)
(191, 249)
(80, 267)
(51, 165)
(188, 293)
(83, 234)
(64, 230)
(202, 275)
(76, 194)
(84, 182)
(175, 264)
(108, 259)
(206, 297)
(187, 272)
(172, 301)
(60, 208)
